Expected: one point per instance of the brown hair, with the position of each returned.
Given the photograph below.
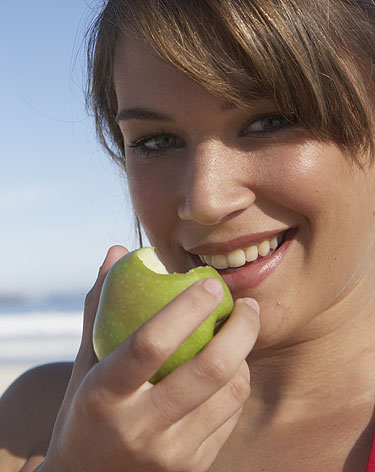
(314, 58)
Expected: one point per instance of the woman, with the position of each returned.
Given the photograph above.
(245, 129)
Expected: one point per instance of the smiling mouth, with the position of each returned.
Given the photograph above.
(239, 258)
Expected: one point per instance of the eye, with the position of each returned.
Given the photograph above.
(267, 124)
(155, 144)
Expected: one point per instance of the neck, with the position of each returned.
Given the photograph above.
(320, 373)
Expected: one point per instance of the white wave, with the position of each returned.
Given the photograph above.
(36, 324)
(38, 351)
(39, 337)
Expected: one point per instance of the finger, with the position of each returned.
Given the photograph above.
(219, 408)
(210, 448)
(139, 357)
(194, 382)
(86, 356)
(92, 299)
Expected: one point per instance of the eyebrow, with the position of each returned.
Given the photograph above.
(140, 114)
(149, 115)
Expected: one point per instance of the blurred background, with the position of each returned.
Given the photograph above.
(63, 202)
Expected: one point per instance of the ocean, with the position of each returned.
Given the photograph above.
(35, 332)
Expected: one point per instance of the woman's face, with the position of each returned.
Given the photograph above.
(209, 179)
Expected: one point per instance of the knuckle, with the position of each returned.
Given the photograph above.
(92, 399)
(148, 347)
(132, 441)
(213, 368)
(240, 388)
(89, 299)
(164, 404)
(199, 300)
(89, 402)
(171, 457)
(166, 399)
(165, 462)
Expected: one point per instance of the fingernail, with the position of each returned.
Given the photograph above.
(212, 286)
(253, 303)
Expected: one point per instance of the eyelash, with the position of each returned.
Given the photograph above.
(139, 145)
(287, 122)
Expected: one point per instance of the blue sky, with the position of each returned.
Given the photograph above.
(62, 201)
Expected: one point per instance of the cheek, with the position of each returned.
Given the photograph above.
(298, 179)
(154, 198)
(334, 209)
(315, 181)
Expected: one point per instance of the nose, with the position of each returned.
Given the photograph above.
(214, 187)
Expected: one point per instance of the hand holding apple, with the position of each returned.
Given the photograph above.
(135, 289)
(126, 424)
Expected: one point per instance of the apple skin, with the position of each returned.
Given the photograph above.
(132, 293)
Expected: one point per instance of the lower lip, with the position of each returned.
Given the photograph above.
(253, 273)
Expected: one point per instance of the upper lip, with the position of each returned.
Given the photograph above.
(211, 249)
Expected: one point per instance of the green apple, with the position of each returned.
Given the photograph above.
(135, 289)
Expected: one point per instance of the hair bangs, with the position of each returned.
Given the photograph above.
(294, 52)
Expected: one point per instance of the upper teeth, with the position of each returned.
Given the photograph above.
(239, 257)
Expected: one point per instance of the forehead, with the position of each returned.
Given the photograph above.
(143, 78)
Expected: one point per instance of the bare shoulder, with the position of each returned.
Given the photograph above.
(28, 411)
